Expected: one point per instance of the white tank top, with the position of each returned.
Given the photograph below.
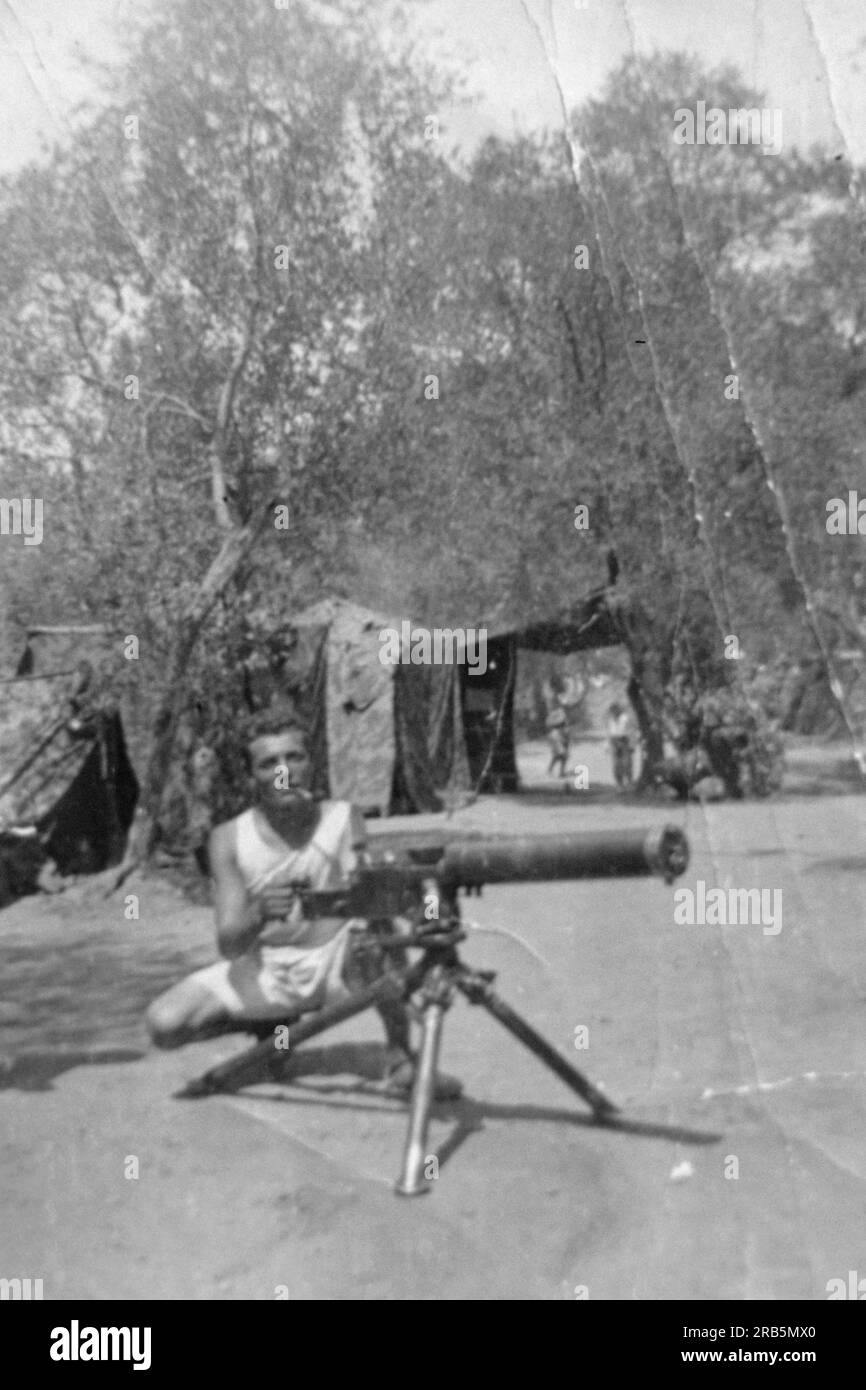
(325, 862)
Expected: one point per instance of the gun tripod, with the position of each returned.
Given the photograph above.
(431, 983)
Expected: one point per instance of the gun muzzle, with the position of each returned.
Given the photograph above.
(597, 854)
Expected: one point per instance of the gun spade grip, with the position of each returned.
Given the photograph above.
(596, 854)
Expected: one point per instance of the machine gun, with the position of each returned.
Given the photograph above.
(420, 888)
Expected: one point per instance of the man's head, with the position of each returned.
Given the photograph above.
(278, 752)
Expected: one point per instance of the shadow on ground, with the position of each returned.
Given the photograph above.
(35, 1071)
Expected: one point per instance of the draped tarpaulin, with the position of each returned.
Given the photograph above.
(66, 783)
(367, 720)
(471, 723)
(359, 696)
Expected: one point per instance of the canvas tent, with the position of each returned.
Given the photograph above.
(367, 720)
(401, 738)
(67, 788)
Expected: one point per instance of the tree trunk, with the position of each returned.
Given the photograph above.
(231, 555)
(650, 648)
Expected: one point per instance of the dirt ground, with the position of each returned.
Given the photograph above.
(737, 1056)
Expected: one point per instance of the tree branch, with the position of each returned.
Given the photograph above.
(220, 442)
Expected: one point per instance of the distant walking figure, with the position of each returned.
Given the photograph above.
(557, 736)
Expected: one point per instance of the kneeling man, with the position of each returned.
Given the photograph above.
(277, 964)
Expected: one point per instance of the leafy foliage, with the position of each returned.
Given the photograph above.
(248, 303)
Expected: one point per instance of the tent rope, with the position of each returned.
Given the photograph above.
(29, 761)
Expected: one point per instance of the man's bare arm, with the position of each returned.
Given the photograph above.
(239, 918)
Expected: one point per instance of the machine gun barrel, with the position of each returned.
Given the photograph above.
(387, 888)
(597, 854)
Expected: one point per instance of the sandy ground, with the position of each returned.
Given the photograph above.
(739, 1059)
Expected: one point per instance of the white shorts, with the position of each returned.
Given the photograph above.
(273, 981)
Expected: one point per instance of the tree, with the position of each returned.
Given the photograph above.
(187, 333)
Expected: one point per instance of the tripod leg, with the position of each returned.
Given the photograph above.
(411, 1182)
(478, 991)
(247, 1067)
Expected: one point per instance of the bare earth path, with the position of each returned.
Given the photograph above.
(757, 1038)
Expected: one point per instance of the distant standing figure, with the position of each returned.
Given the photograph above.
(619, 740)
(557, 736)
